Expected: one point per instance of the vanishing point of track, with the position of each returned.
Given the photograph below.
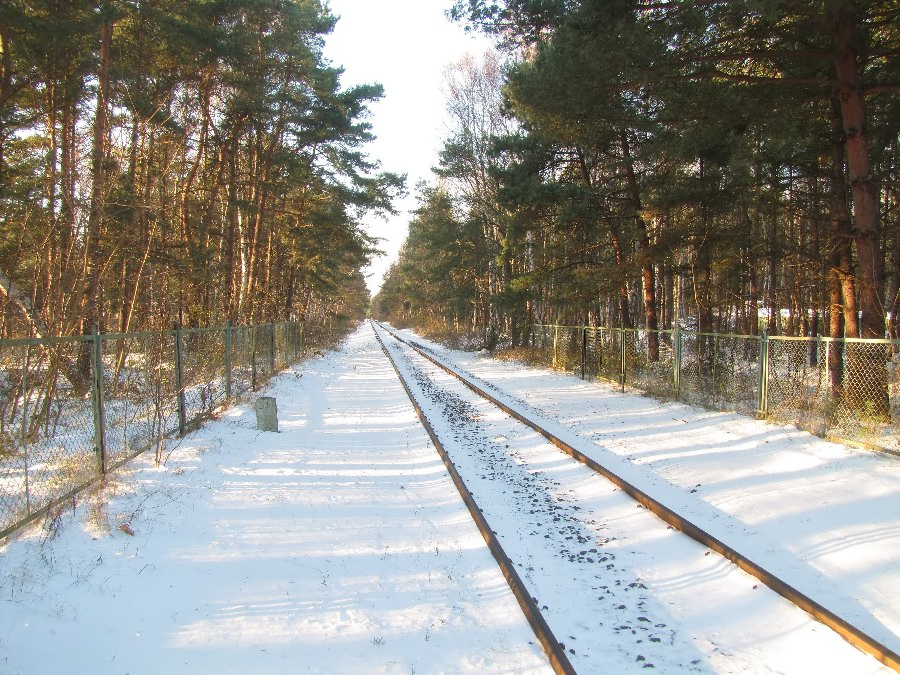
(552, 646)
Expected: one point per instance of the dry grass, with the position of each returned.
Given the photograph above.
(531, 356)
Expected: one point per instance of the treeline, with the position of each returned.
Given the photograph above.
(730, 165)
(193, 161)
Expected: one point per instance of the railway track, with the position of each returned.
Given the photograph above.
(460, 415)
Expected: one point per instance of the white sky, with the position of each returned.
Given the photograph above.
(405, 45)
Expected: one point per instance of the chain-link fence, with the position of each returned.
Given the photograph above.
(846, 389)
(46, 422)
(72, 409)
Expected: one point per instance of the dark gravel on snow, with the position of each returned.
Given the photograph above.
(537, 519)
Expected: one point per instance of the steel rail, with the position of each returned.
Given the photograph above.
(852, 634)
(554, 651)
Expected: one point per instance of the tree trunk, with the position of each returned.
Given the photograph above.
(615, 238)
(701, 274)
(862, 181)
(648, 275)
(98, 187)
(624, 312)
(835, 330)
(6, 94)
(867, 387)
(231, 232)
(90, 315)
(841, 285)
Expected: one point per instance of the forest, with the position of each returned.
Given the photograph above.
(190, 161)
(726, 166)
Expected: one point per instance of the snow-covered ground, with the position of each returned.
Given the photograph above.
(340, 544)
(822, 516)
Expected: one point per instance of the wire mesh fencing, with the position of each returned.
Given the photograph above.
(47, 429)
(73, 408)
(603, 354)
(139, 394)
(719, 371)
(848, 389)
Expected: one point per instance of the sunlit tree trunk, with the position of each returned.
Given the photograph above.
(648, 276)
(867, 373)
(93, 254)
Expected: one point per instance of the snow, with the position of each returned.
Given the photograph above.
(812, 511)
(340, 544)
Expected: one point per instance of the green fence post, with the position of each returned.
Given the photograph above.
(24, 431)
(253, 357)
(555, 343)
(584, 331)
(622, 359)
(598, 350)
(762, 407)
(288, 337)
(228, 360)
(826, 375)
(179, 386)
(676, 384)
(271, 349)
(97, 386)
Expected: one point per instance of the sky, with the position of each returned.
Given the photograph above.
(405, 45)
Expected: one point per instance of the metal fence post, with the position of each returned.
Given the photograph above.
(598, 350)
(584, 331)
(676, 380)
(97, 386)
(622, 359)
(826, 417)
(762, 407)
(253, 357)
(555, 343)
(271, 349)
(25, 427)
(289, 347)
(227, 360)
(179, 387)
